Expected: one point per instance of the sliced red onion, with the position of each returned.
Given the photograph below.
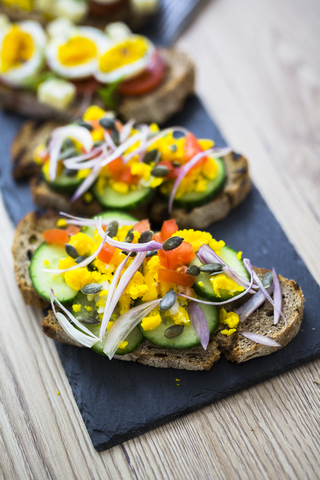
(262, 287)
(125, 324)
(249, 307)
(207, 255)
(199, 323)
(123, 147)
(126, 130)
(124, 280)
(86, 184)
(143, 144)
(277, 297)
(92, 222)
(188, 166)
(261, 339)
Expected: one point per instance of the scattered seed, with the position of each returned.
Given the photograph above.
(173, 148)
(129, 238)
(168, 300)
(70, 173)
(68, 153)
(67, 143)
(211, 268)
(112, 228)
(107, 123)
(88, 320)
(151, 156)
(145, 236)
(176, 164)
(80, 259)
(160, 171)
(71, 250)
(267, 279)
(193, 270)
(86, 125)
(115, 137)
(92, 288)
(92, 268)
(171, 243)
(131, 254)
(152, 253)
(173, 331)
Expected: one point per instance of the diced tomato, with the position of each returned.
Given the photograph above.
(148, 80)
(55, 236)
(163, 258)
(116, 166)
(72, 230)
(191, 146)
(169, 227)
(106, 253)
(181, 255)
(142, 226)
(127, 177)
(157, 237)
(169, 276)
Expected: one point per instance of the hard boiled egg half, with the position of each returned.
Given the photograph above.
(124, 59)
(22, 48)
(76, 54)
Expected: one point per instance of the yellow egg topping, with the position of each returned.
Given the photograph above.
(26, 5)
(17, 48)
(77, 51)
(221, 282)
(124, 53)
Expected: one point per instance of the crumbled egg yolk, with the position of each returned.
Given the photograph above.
(78, 278)
(152, 321)
(124, 53)
(228, 318)
(17, 48)
(82, 243)
(222, 282)
(93, 113)
(228, 332)
(62, 222)
(198, 238)
(77, 51)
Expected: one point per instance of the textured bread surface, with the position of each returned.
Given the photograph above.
(156, 106)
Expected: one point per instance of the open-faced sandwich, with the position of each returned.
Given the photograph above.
(176, 298)
(99, 163)
(56, 73)
(90, 12)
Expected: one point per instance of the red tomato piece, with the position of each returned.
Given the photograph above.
(163, 258)
(169, 227)
(106, 253)
(181, 255)
(72, 230)
(148, 80)
(142, 226)
(55, 236)
(157, 237)
(127, 177)
(169, 276)
(191, 146)
(116, 167)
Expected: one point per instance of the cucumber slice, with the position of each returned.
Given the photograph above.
(112, 215)
(134, 339)
(112, 199)
(206, 291)
(214, 187)
(42, 281)
(63, 183)
(188, 337)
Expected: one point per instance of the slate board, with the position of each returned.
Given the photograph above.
(120, 400)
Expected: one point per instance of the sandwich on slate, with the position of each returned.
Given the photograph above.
(177, 298)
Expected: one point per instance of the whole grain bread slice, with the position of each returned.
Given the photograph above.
(156, 106)
(235, 347)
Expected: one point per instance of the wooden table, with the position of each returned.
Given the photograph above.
(259, 70)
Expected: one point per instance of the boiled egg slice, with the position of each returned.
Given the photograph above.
(124, 59)
(76, 54)
(21, 52)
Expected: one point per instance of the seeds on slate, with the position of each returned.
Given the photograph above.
(107, 123)
(71, 251)
(92, 288)
(88, 320)
(113, 228)
(80, 259)
(115, 137)
(145, 237)
(151, 156)
(168, 300)
(193, 270)
(267, 279)
(173, 148)
(129, 238)
(210, 268)
(173, 331)
(171, 243)
(151, 253)
(86, 125)
(160, 171)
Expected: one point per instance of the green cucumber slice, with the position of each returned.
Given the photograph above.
(63, 183)
(134, 339)
(206, 291)
(188, 337)
(214, 187)
(42, 281)
(112, 199)
(112, 215)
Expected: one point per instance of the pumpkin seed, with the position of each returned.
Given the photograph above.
(173, 148)
(131, 254)
(113, 228)
(168, 300)
(267, 279)
(86, 125)
(71, 250)
(67, 143)
(80, 259)
(68, 153)
(173, 331)
(151, 156)
(152, 253)
(176, 164)
(129, 236)
(88, 320)
(115, 137)
(193, 270)
(171, 243)
(145, 236)
(107, 123)
(160, 171)
(91, 288)
(211, 268)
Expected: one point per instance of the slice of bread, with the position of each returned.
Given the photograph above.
(156, 106)
(236, 347)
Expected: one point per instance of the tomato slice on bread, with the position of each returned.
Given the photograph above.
(147, 81)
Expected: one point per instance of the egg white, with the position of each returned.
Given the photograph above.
(18, 75)
(78, 71)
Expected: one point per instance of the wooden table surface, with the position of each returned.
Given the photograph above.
(259, 71)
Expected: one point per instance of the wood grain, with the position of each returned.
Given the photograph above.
(259, 76)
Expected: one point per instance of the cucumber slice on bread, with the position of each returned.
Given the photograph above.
(109, 198)
(63, 183)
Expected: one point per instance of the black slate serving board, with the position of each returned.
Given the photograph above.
(120, 400)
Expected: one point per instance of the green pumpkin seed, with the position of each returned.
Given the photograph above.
(80, 259)
(112, 228)
(68, 153)
(67, 143)
(211, 268)
(130, 236)
(91, 288)
(173, 148)
(131, 254)
(171, 243)
(160, 171)
(88, 320)
(70, 173)
(193, 270)
(173, 331)
(151, 156)
(267, 279)
(107, 123)
(86, 125)
(152, 253)
(168, 300)
(176, 164)
(71, 250)
(115, 137)
(145, 236)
